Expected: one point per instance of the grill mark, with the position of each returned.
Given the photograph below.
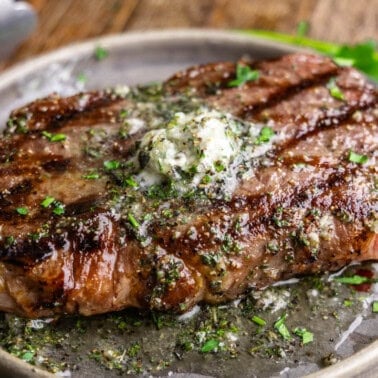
(83, 205)
(329, 122)
(261, 221)
(60, 120)
(58, 165)
(7, 198)
(63, 111)
(285, 93)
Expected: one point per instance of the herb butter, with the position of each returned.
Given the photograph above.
(191, 145)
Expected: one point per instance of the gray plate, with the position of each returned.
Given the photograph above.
(141, 58)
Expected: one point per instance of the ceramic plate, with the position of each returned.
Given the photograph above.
(136, 58)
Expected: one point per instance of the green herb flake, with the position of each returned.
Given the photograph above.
(374, 306)
(356, 158)
(111, 165)
(354, 280)
(91, 176)
(82, 78)
(133, 221)
(210, 346)
(59, 208)
(280, 326)
(363, 56)
(54, 137)
(259, 321)
(206, 179)
(123, 113)
(244, 74)
(27, 356)
(334, 90)
(22, 211)
(47, 201)
(302, 28)
(348, 303)
(219, 167)
(266, 134)
(101, 53)
(306, 336)
(129, 181)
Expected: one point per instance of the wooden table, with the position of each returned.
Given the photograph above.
(65, 21)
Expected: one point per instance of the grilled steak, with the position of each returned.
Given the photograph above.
(164, 196)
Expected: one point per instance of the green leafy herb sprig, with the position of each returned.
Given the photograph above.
(363, 56)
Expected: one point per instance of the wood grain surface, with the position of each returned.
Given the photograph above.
(65, 21)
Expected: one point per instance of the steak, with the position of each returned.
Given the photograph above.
(83, 230)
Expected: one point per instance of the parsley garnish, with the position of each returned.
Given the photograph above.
(219, 167)
(82, 78)
(22, 211)
(47, 201)
(59, 208)
(302, 28)
(280, 326)
(306, 336)
(374, 306)
(363, 56)
(243, 75)
(54, 137)
(101, 53)
(91, 176)
(210, 346)
(354, 280)
(123, 113)
(132, 220)
(356, 158)
(129, 181)
(111, 165)
(266, 134)
(259, 321)
(206, 179)
(334, 90)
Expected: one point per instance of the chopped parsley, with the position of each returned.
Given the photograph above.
(302, 28)
(363, 56)
(219, 167)
(22, 211)
(47, 201)
(123, 113)
(244, 74)
(334, 90)
(206, 179)
(210, 346)
(59, 208)
(101, 53)
(266, 134)
(111, 165)
(91, 176)
(133, 221)
(306, 336)
(259, 321)
(54, 137)
(280, 326)
(374, 306)
(82, 78)
(129, 181)
(357, 158)
(354, 280)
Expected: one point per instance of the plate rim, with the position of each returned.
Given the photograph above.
(114, 41)
(354, 365)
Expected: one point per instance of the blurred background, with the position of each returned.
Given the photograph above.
(66, 21)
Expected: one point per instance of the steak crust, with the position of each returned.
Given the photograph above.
(304, 209)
